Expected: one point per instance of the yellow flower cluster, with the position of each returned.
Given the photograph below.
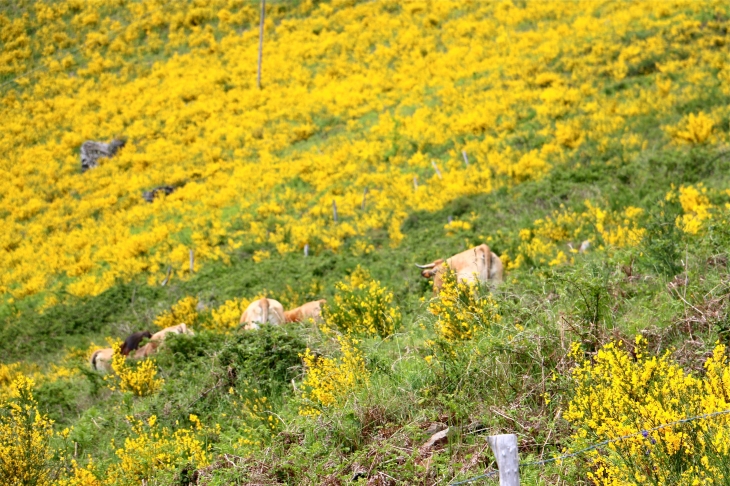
(617, 395)
(462, 309)
(184, 311)
(362, 307)
(546, 242)
(329, 381)
(25, 434)
(153, 449)
(695, 205)
(226, 317)
(139, 378)
(694, 129)
(384, 85)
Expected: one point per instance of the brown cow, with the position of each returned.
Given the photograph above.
(262, 311)
(101, 360)
(157, 338)
(476, 264)
(310, 310)
(133, 340)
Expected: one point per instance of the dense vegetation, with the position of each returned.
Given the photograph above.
(428, 127)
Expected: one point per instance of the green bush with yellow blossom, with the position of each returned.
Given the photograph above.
(139, 378)
(362, 307)
(628, 394)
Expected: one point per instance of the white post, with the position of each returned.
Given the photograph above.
(167, 278)
(466, 159)
(436, 168)
(306, 250)
(508, 462)
(261, 41)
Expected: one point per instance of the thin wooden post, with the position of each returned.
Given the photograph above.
(167, 278)
(415, 183)
(261, 41)
(334, 210)
(436, 168)
(192, 261)
(466, 159)
(306, 250)
(508, 462)
(364, 195)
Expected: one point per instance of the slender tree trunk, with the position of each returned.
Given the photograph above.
(261, 41)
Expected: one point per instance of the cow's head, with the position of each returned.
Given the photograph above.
(431, 269)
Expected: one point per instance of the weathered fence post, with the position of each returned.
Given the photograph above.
(306, 250)
(415, 183)
(192, 261)
(508, 462)
(334, 210)
(436, 168)
(261, 41)
(466, 159)
(167, 278)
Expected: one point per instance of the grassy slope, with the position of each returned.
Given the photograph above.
(595, 299)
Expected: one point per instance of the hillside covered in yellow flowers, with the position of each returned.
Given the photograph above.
(374, 96)
(385, 133)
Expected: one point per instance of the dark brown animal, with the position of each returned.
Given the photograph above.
(133, 340)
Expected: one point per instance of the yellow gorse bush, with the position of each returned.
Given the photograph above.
(226, 317)
(184, 311)
(25, 434)
(409, 84)
(546, 242)
(329, 381)
(695, 129)
(618, 395)
(152, 450)
(140, 378)
(362, 306)
(462, 310)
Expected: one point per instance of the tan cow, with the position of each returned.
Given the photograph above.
(101, 360)
(476, 264)
(262, 311)
(310, 310)
(157, 338)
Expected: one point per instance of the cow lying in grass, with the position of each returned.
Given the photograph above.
(158, 337)
(310, 310)
(478, 264)
(101, 359)
(262, 311)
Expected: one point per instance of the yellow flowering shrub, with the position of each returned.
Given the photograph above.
(25, 434)
(152, 450)
(695, 129)
(184, 311)
(329, 381)
(618, 395)
(226, 317)
(362, 306)
(546, 242)
(140, 378)
(696, 207)
(462, 310)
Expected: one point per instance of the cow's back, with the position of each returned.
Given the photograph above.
(256, 314)
(472, 264)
